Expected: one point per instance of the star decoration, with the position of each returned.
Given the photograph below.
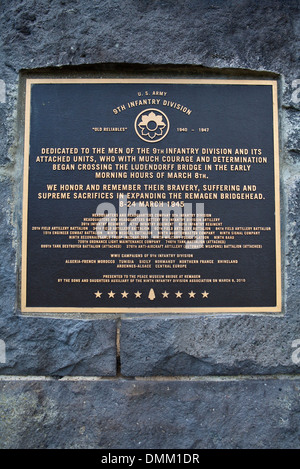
(192, 294)
(111, 294)
(165, 294)
(138, 294)
(205, 294)
(124, 294)
(98, 294)
(178, 294)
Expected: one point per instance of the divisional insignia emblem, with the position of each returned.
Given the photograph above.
(152, 125)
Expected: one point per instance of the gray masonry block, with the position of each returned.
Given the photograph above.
(58, 347)
(292, 130)
(208, 346)
(208, 414)
(244, 34)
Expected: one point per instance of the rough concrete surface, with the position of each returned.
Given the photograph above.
(209, 410)
(229, 414)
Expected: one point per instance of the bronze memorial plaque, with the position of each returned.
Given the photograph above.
(151, 196)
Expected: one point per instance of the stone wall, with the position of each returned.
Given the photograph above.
(209, 381)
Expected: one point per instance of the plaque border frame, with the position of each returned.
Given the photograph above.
(152, 310)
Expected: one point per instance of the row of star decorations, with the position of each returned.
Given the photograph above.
(138, 294)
